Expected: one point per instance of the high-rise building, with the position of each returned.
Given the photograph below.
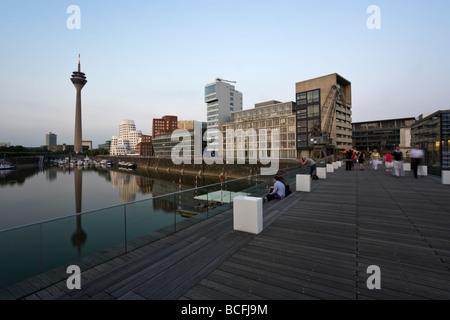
(222, 99)
(79, 80)
(166, 124)
(324, 116)
(50, 140)
(127, 140)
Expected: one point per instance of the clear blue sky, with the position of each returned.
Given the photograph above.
(146, 59)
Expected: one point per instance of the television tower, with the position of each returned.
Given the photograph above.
(79, 80)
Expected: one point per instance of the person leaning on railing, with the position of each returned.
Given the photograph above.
(309, 162)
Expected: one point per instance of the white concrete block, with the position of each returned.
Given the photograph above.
(248, 214)
(335, 165)
(422, 171)
(407, 167)
(303, 183)
(322, 173)
(330, 168)
(445, 177)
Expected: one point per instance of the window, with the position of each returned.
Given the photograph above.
(301, 98)
(301, 114)
(313, 96)
(313, 111)
(210, 90)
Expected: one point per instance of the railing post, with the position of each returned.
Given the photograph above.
(125, 227)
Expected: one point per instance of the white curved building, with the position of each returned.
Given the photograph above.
(127, 140)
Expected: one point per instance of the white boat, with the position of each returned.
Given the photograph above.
(129, 165)
(7, 166)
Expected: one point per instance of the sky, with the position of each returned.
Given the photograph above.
(147, 59)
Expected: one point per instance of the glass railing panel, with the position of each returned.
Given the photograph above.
(192, 207)
(219, 199)
(83, 240)
(20, 252)
(149, 220)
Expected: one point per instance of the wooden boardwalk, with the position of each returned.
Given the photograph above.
(314, 245)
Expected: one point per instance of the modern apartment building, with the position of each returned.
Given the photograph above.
(166, 124)
(127, 140)
(324, 116)
(268, 115)
(432, 133)
(383, 135)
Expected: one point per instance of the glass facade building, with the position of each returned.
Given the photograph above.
(432, 134)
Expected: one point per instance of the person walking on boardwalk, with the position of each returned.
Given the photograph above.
(375, 157)
(397, 155)
(348, 159)
(361, 159)
(310, 162)
(388, 160)
(417, 155)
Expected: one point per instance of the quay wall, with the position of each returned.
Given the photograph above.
(167, 165)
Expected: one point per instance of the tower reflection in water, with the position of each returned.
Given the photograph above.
(79, 236)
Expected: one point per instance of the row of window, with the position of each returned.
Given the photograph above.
(308, 97)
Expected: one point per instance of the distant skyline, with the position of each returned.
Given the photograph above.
(147, 59)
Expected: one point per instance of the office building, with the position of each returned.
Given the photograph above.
(163, 144)
(5, 144)
(324, 116)
(106, 145)
(166, 124)
(383, 135)
(432, 133)
(222, 99)
(268, 115)
(50, 140)
(87, 145)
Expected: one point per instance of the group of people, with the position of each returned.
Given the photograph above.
(417, 155)
(393, 161)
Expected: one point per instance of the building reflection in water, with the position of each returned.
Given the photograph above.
(79, 236)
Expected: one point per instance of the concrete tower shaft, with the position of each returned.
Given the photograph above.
(79, 80)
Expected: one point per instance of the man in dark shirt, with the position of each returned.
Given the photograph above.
(398, 161)
(348, 160)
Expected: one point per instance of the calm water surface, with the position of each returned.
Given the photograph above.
(37, 194)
